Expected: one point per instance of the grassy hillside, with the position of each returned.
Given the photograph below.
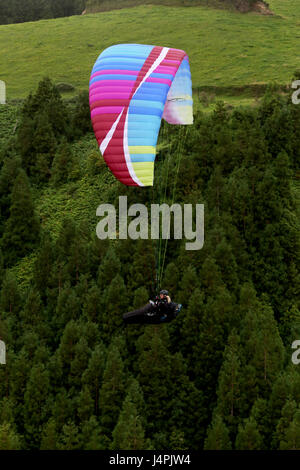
(225, 48)
(286, 8)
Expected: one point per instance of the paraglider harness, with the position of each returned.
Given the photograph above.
(159, 310)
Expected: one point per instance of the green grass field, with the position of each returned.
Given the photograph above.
(225, 48)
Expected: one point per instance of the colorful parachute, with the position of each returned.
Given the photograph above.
(132, 87)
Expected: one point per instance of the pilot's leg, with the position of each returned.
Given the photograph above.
(139, 315)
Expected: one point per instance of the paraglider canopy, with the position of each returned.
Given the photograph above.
(132, 87)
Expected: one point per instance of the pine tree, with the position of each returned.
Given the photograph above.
(210, 342)
(112, 390)
(92, 304)
(78, 264)
(210, 276)
(69, 438)
(35, 404)
(261, 414)
(9, 171)
(22, 229)
(248, 437)
(79, 362)
(44, 144)
(63, 410)
(10, 298)
(49, 437)
(171, 278)
(140, 297)
(68, 307)
(263, 346)
(285, 387)
(97, 251)
(6, 410)
(65, 239)
(190, 327)
(18, 383)
(291, 439)
(32, 311)
(215, 190)
(92, 376)
(43, 264)
(9, 439)
(229, 384)
(47, 98)
(188, 283)
(142, 266)
(92, 437)
(25, 144)
(154, 365)
(188, 412)
(287, 414)
(81, 121)
(177, 440)
(217, 435)
(85, 405)
(227, 264)
(115, 303)
(109, 268)
(129, 433)
(66, 350)
(64, 166)
(2, 270)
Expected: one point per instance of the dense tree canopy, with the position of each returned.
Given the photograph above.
(20, 11)
(220, 376)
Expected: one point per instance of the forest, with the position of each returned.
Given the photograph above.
(20, 11)
(218, 377)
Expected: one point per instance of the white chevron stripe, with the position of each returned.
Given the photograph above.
(155, 64)
(127, 154)
(110, 133)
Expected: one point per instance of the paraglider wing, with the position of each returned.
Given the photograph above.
(132, 87)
